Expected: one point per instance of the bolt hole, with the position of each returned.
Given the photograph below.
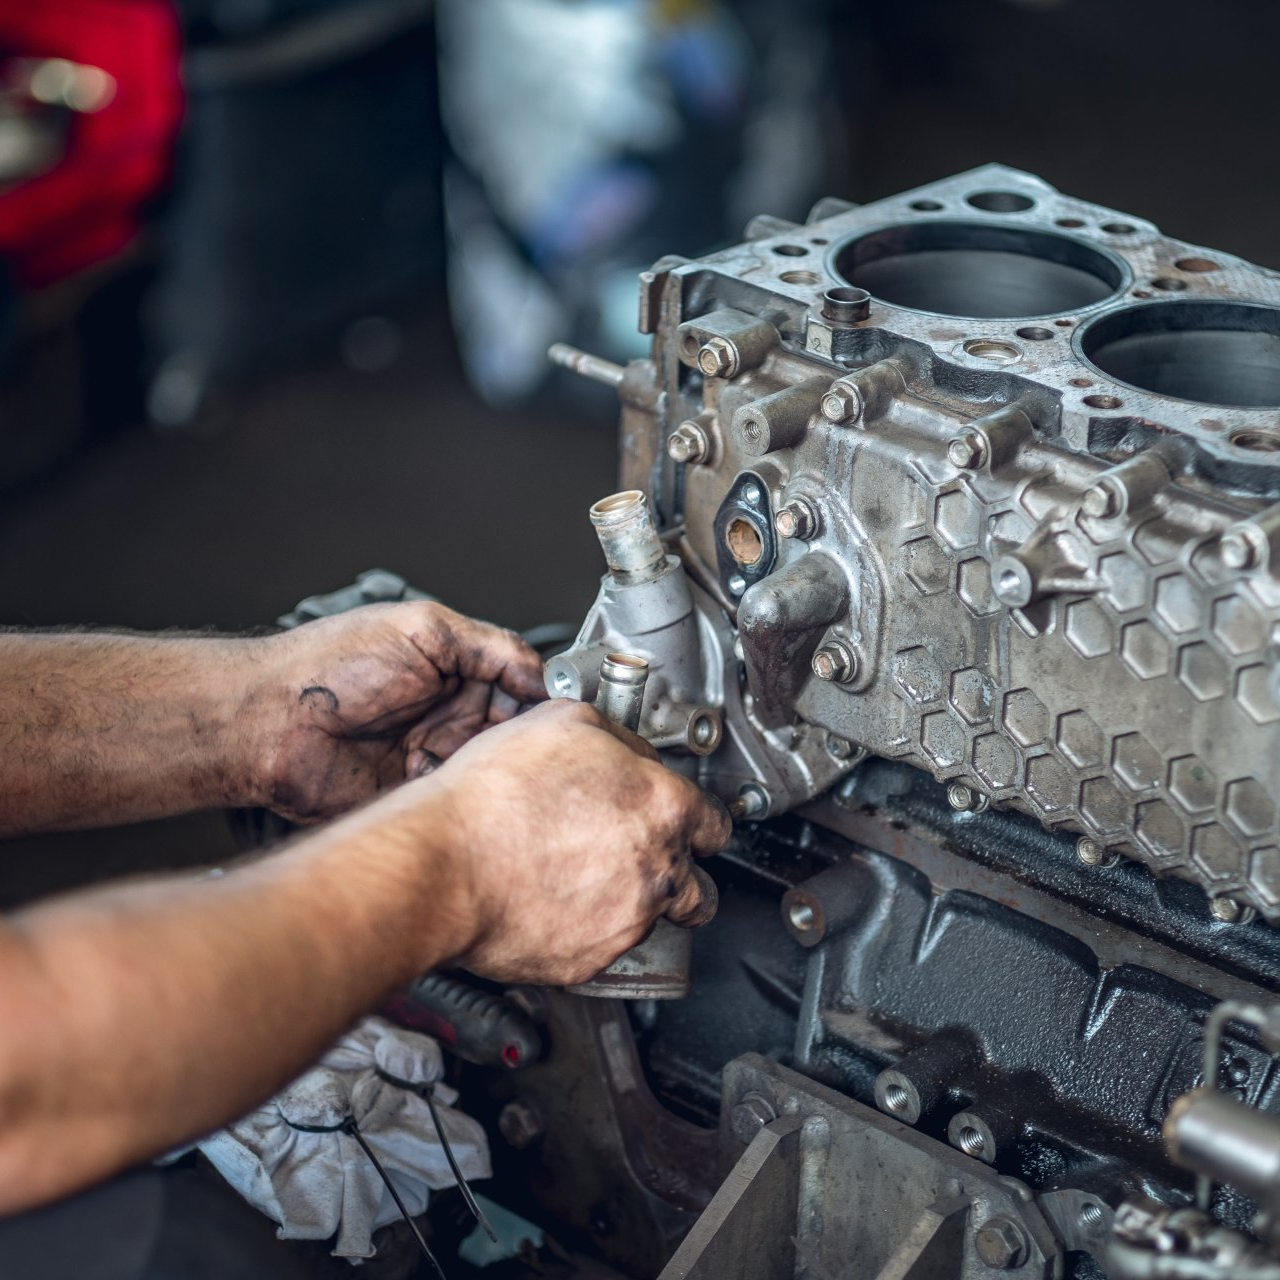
(1010, 583)
(1256, 441)
(802, 916)
(1001, 201)
(689, 345)
(562, 682)
(1090, 1215)
(1081, 382)
(744, 541)
(1142, 293)
(971, 1141)
(989, 349)
(1034, 333)
(1170, 284)
(1064, 324)
(819, 240)
(1103, 402)
(1195, 264)
(925, 206)
(704, 730)
(1119, 228)
(800, 277)
(897, 1099)
(791, 250)
(1070, 223)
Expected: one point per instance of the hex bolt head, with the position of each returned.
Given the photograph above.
(839, 748)
(520, 1124)
(797, 519)
(718, 358)
(751, 1115)
(1093, 854)
(1101, 501)
(1001, 1243)
(968, 451)
(688, 443)
(1228, 911)
(966, 799)
(842, 403)
(834, 661)
(1238, 549)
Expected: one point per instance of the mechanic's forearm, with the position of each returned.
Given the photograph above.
(142, 1016)
(98, 728)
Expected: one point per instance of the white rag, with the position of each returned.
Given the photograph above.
(317, 1183)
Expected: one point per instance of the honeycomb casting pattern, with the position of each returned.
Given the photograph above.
(1171, 646)
(1140, 709)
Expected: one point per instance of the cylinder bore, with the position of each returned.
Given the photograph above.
(1220, 353)
(977, 270)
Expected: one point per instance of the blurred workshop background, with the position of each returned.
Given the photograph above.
(277, 277)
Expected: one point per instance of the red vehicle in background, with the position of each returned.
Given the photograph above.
(90, 103)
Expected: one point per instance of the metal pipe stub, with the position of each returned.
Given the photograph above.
(631, 546)
(620, 695)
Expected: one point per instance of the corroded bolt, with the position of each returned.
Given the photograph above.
(718, 358)
(1001, 1243)
(688, 443)
(835, 661)
(839, 748)
(842, 402)
(966, 799)
(1238, 549)
(1093, 854)
(967, 451)
(797, 519)
(751, 1115)
(1101, 501)
(520, 1124)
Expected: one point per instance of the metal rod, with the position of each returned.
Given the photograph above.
(585, 364)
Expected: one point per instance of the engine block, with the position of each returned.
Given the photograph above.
(983, 479)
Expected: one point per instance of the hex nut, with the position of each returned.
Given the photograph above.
(834, 661)
(520, 1124)
(1093, 854)
(842, 403)
(688, 444)
(968, 451)
(751, 1115)
(1228, 911)
(796, 519)
(966, 799)
(1101, 501)
(1238, 549)
(1001, 1243)
(718, 358)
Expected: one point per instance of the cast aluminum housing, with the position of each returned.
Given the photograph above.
(980, 478)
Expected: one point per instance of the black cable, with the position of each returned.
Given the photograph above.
(424, 1091)
(350, 1126)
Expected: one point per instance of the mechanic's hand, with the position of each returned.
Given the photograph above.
(369, 698)
(575, 841)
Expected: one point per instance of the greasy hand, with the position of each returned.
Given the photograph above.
(369, 698)
(576, 839)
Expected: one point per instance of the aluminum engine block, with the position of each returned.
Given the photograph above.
(985, 479)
